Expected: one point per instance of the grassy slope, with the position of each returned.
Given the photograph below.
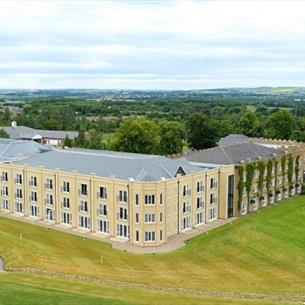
(262, 253)
(27, 289)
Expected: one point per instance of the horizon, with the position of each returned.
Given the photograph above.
(147, 89)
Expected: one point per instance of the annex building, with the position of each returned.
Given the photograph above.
(49, 137)
(144, 199)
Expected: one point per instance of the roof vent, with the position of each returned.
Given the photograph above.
(14, 124)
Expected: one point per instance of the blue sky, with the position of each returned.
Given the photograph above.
(151, 45)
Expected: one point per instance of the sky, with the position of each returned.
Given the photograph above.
(151, 44)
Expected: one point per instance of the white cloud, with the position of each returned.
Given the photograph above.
(164, 44)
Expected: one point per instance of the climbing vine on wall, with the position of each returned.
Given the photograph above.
(297, 168)
(250, 168)
(261, 173)
(290, 169)
(269, 175)
(283, 168)
(276, 163)
(240, 185)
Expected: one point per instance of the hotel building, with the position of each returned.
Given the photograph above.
(142, 199)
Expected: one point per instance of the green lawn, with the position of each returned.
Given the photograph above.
(28, 289)
(261, 253)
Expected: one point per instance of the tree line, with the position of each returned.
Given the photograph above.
(160, 126)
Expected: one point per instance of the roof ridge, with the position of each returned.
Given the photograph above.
(226, 155)
(164, 169)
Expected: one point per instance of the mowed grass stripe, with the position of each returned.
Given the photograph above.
(18, 288)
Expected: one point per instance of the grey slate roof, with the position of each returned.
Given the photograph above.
(233, 154)
(105, 164)
(233, 139)
(24, 132)
(11, 150)
(122, 165)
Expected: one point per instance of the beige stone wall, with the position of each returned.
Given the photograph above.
(183, 207)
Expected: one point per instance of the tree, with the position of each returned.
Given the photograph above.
(249, 124)
(80, 140)
(280, 124)
(68, 142)
(136, 135)
(171, 138)
(202, 131)
(96, 140)
(3, 134)
(52, 124)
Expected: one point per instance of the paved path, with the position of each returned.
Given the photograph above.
(173, 243)
(1, 265)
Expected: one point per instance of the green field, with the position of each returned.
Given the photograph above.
(263, 253)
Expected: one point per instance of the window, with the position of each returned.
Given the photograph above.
(200, 187)
(50, 214)
(19, 193)
(66, 186)
(83, 189)
(137, 199)
(213, 183)
(84, 222)
(66, 218)
(4, 176)
(66, 203)
(161, 198)
(33, 196)
(212, 213)
(199, 203)
(213, 198)
(122, 196)
(186, 223)
(186, 207)
(122, 230)
(137, 236)
(150, 236)
(199, 218)
(122, 214)
(102, 210)
(243, 208)
(186, 190)
(137, 217)
(33, 181)
(102, 194)
(19, 207)
(49, 199)
(4, 191)
(5, 204)
(83, 207)
(19, 178)
(34, 210)
(161, 217)
(49, 184)
(161, 235)
(149, 199)
(103, 226)
(149, 218)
